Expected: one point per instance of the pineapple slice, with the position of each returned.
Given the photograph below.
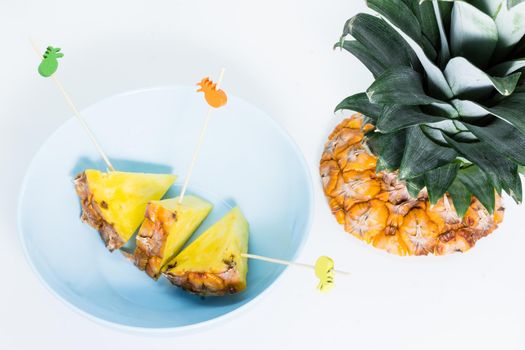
(114, 202)
(212, 264)
(168, 225)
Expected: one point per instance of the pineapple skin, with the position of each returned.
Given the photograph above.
(377, 208)
(162, 220)
(114, 203)
(92, 215)
(212, 265)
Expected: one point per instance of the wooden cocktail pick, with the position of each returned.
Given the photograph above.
(47, 68)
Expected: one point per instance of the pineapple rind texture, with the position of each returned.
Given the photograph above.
(114, 203)
(213, 264)
(167, 226)
(378, 209)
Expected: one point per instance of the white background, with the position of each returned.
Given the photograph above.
(279, 56)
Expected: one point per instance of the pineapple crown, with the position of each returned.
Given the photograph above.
(448, 100)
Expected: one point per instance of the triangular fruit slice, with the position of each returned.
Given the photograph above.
(114, 203)
(213, 264)
(167, 226)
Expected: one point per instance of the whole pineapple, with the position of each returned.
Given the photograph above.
(441, 132)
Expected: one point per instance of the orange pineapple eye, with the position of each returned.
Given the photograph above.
(477, 217)
(330, 174)
(391, 243)
(444, 214)
(355, 187)
(356, 158)
(419, 232)
(365, 220)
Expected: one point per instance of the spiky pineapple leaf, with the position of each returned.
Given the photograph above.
(442, 12)
(426, 17)
(363, 54)
(415, 185)
(510, 23)
(360, 103)
(422, 154)
(516, 192)
(461, 197)
(388, 148)
(439, 180)
(381, 39)
(478, 183)
(437, 84)
(509, 109)
(400, 85)
(512, 3)
(401, 16)
(500, 170)
(503, 137)
(473, 33)
(508, 67)
(468, 81)
(395, 117)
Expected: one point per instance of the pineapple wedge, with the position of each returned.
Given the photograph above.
(114, 202)
(212, 264)
(168, 225)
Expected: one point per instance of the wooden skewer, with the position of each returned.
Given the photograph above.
(199, 143)
(77, 113)
(285, 262)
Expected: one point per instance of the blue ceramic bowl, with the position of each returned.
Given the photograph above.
(246, 160)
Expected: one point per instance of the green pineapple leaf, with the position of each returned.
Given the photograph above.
(363, 54)
(461, 197)
(426, 17)
(500, 170)
(509, 109)
(400, 85)
(382, 40)
(508, 67)
(473, 33)
(401, 16)
(389, 149)
(503, 138)
(360, 103)
(512, 3)
(395, 117)
(468, 81)
(415, 185)
(477, 182)
(510, 23)
(421, 154)
(439, 180)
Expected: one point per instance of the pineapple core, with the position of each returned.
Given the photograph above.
(167, 226)
(114, 202)
(213, 264)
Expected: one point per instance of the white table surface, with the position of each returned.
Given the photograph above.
(278, 56)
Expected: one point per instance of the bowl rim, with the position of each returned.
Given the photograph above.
(178, 329)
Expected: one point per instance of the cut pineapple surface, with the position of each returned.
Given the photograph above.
(167, 226)
(114, 203)
(213, 264)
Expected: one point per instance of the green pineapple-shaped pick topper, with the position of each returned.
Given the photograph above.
(49, 64)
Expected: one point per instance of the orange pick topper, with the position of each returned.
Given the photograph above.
(215, 98)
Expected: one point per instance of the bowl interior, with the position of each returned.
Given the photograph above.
(246, 160)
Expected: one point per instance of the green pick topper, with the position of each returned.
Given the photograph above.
(49, 63)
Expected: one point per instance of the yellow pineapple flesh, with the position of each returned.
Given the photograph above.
(167, 226)
(213, 264)
(114, 203)
(377, 208)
